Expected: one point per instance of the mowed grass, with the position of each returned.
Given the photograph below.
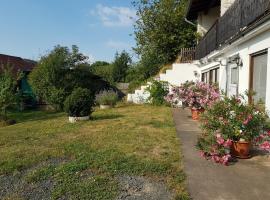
(85, 158)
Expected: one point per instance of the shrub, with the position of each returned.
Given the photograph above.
(8, 89)
(230, 119)
(107, 97)
(158, 91)
(195, 95)
(79, 103)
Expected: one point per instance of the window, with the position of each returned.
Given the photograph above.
(258, 76)
(234, 75)
(211, 76)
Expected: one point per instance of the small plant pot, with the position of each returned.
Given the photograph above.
(195, 113)
(241, 149)
(75, 119)
(105, 107)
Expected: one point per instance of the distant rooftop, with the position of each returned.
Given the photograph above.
(17, 63)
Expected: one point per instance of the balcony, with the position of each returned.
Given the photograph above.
(237, 18)
(186, 55)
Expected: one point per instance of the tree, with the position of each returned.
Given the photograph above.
(120, 67)
(103, 69)
(8, 92)
(161, 30)
(60, 72)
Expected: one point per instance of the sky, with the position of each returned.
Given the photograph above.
(31, 28)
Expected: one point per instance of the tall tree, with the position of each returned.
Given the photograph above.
(162, 30)
(120, 66)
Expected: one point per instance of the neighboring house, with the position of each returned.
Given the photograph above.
(235, 44)
(20, 65)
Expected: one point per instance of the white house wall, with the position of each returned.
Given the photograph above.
(206, 20)
(253, 44)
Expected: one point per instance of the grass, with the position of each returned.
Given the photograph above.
(85, 158)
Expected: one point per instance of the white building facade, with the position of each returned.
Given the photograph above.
(235, 45)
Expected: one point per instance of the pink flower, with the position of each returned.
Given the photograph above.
(227, 143)
(225, 159)
(265, 146)
(220, 140)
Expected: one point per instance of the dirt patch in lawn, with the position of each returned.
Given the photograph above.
(17, 185)
(140, 188)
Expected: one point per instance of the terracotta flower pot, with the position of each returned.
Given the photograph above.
(241, 149)
(195, 113)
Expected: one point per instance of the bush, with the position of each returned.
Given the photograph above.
(79, 103)
(227, 120)
(195, 95)
(107, 97)
(158, 91)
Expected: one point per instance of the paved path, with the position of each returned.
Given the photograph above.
(244, 180)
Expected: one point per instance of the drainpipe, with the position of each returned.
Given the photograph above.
(186, 20)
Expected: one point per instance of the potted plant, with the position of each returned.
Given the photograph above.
(232, 119)
(79, 105)
(107, 99)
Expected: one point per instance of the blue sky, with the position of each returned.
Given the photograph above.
(29, 28)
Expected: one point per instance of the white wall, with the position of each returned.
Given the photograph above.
(180, 73)
(249, 45)
(206, 20)
(225, 4)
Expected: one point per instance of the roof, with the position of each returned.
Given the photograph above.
(18, 63)
(196, 6)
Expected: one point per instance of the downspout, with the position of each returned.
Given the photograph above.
(186, 20)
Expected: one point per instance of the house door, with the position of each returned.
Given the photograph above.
(258, 77)
(233, 79)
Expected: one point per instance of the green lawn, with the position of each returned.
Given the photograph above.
(84, 159)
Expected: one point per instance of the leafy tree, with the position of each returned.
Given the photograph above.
(161, 31)
(120, 67)
(60, 72)
(103, 69)
(8, 92)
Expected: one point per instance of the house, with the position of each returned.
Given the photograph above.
(23, 65)
(234, 47)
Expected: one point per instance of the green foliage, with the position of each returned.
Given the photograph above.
(104, 70)
(161, 31)
(59, 72)
(114, 72)
(8, 92)
(107, 98)
(120, 66)
(79, 103)
(158, 90)
(234, 119)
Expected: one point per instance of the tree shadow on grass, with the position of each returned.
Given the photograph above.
(33, 115)
(106, 116)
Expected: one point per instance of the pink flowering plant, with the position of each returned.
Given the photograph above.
(227, 120)
(263, 141)
(196, 95)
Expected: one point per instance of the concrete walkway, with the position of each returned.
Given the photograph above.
(243, 180)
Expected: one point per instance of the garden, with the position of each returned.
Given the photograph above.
(87, 143)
